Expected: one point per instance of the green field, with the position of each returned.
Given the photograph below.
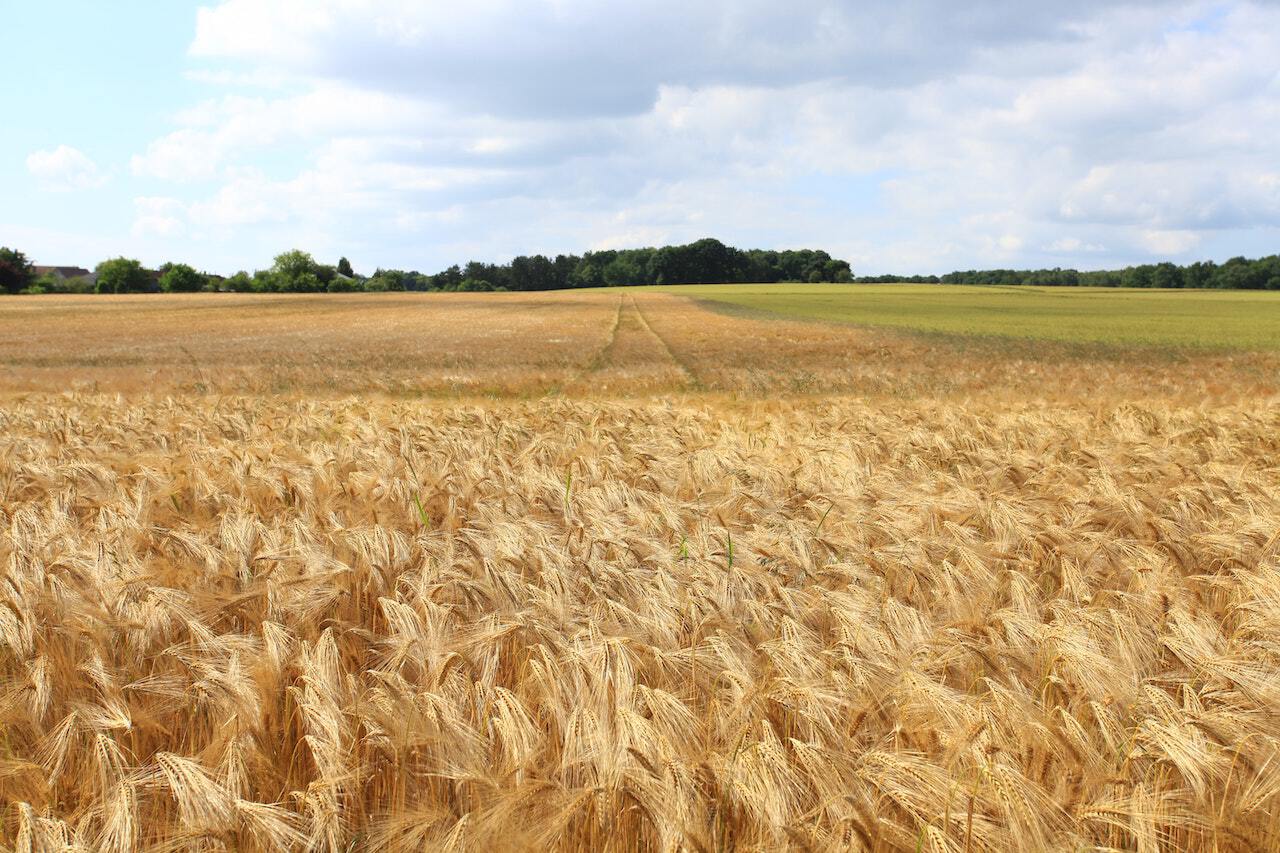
(1170, 318)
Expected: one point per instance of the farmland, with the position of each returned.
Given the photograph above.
(1234, 319)
(713, 339)
(633, 569)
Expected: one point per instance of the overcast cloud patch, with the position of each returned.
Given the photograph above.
(912, 135)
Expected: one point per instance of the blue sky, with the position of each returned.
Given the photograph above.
(102, 78)
(912, 136)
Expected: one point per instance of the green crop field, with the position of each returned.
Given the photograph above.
(1167, 318)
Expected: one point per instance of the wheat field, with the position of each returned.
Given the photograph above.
(640, 576)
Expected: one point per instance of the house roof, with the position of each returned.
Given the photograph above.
(65, 272)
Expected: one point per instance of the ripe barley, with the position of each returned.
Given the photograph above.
(265, 624)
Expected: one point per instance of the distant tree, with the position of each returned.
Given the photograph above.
(387, 280)
(837, 270)
(180, 278)
(1238, 273)
(760, 266)
(1269, 271)
(627, 268)
(1166, 275)
(497, 275)
(341, 284)
(1199, 274)
(564, 268)
(344, 268)
(1139, 276)
(79, 284)
(264, 281)
(665, 266)
(47, 283)
(123, 275)
(527, 273)
(16, 272)
(449, 278)
(587, 274)
(1234, 274)
(238, 283)
(297, 272)
(52, 283)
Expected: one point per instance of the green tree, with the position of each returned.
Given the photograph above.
(1139, 276)
(627, 268)
(123, 275)
(344, 268)
(264, 281)
(1236, 274)
(386, 280)
(16, 272)
(1166, 275)
(180, 278)
(587, 274)
(79, 284)
(338, 284)
(47, 283)
(297, 272)
(239, 283)
(527, 273)
(1269, 271)
(448, 279)
(837, 270)
(1199, 274)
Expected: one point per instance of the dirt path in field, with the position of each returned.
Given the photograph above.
(635, 359)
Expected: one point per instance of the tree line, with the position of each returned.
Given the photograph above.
(705, 261)
(1236, 274)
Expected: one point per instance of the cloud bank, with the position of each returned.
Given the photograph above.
(916, 136)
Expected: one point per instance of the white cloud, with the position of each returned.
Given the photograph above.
(250, 198)
(1072, 245)
(64, 168)
(1165, 243)
(217, 131)
(1010, 242)
(923, 137)
(183, 155)
(158, 216)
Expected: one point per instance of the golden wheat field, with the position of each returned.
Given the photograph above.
(614, 572)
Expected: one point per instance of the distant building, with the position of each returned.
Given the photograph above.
(63, 273)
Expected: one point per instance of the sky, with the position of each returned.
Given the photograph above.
(913, 136)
